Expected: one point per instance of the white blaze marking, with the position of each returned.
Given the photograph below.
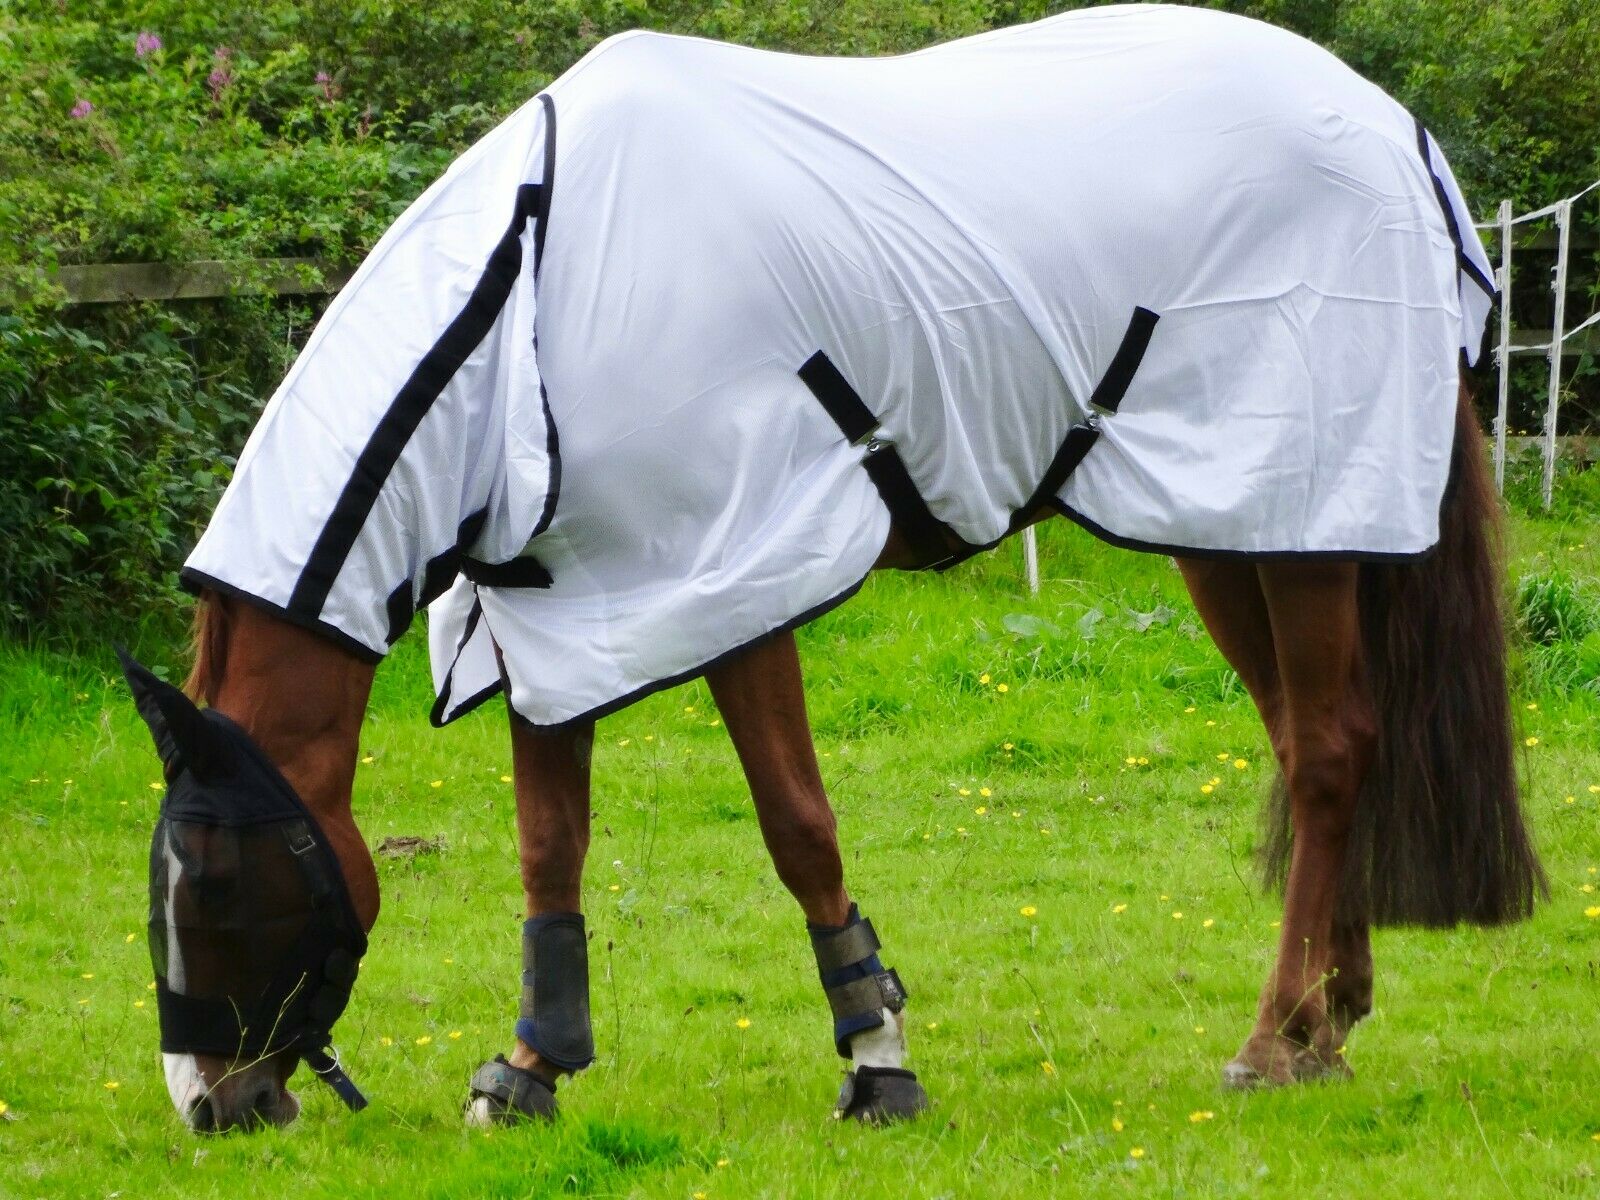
(185, 1084)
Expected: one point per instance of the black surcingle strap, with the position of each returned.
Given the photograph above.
(554, 1018)
(857, 984)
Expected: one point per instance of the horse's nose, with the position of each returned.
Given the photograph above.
(217, 1113)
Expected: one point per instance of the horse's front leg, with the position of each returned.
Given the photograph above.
(553, 1036)
(762, 700)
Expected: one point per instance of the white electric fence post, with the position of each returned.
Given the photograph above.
(1503, 352)
(1557, 336)
(1030, 557)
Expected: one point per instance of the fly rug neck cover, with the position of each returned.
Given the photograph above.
(645, 375)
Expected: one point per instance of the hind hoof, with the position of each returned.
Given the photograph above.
(880, 1095)
(506, 1095)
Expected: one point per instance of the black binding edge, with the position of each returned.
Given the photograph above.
(1114, 383)
(196, 581)
(1468, 268)
(639, 693)
(395, 429)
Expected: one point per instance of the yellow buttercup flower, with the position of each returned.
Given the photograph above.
(1116, 908)
(984, 679)
(1001, 687)
(455, 1035)
(1203, 1114)
(437, 783)
(1048, 1067)
(1592, 911)
(505, 779)
(112, 1085)
(1028, 910)
(1116, 1125)
(1177, 916)
(1240, 763)
(1206, 789)
(1530, 741)
(425, 1039)
(1207, 923)
(985, 792)
(1136, 1152)
(743, 1022)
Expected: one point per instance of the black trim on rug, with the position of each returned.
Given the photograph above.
(1467, 267)
(436, 713)
(639, 693)
(1126, 543)
(437, 576)
(194, 581)
(395, 429)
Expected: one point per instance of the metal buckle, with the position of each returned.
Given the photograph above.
(298, 836)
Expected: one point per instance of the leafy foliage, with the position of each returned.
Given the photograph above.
(139, 130)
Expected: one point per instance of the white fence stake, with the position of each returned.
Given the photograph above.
(1503, 352)
(1557, 335)
(1030, 556)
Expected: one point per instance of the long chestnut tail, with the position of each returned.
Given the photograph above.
(1438, 835)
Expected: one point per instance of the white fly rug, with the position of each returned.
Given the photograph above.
(653, 362)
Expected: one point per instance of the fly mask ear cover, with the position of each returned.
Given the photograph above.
(253, 936)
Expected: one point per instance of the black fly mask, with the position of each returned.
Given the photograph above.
(252, 933)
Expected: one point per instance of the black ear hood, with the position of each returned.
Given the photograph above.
(253, 936)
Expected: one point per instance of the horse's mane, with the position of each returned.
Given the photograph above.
(208, 648)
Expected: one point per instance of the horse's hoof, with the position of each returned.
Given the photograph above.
(879, 1095)
(1309, 1067)
(505, 1095)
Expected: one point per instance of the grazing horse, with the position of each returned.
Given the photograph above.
(1178, 276)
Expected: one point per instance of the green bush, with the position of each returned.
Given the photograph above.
(298, 129)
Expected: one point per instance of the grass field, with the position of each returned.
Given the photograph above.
(988, 752)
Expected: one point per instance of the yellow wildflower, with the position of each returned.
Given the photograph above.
(112, 1085)
(1592, 911)
(1001, 687)
(1007, 746)
(1201, 1115)
(1116, 1125)
(455, 1035)
(437, 783)
(425, 1040)
(88, 975)
(505, 779)
(1206, 789)
(1199, 1028)
(1190, 709)
(1130, 760)
(985, 792)
(984, 679)
(1177, 916)
(1207, 923)
(1048, 1067)
(743, 1022)
(1530, 741)
(1136, 1152)
(367, 759)
(1116, 908)
(1240, 764)
(963, 791)
(130, 937)
(1028, 910)
(386, 1041)
(981, 810)
(722, 1162)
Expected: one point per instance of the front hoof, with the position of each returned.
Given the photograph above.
(879, 1095)
(506, 1095)
(1278, 1062)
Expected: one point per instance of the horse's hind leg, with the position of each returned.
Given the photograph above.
(553, 1035)
(1291, 631)
(762, 700)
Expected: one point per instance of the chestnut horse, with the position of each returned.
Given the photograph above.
(1381, 685)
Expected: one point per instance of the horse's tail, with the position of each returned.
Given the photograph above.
(1438, 836)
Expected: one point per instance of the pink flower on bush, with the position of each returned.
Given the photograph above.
(330, 89)
(145, 44)
(221, 77)
(80, 110)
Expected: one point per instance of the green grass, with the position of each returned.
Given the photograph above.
(1476, 1075)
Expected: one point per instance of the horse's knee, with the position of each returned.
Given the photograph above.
(1324, 770)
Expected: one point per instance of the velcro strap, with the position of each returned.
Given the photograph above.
(845, 947)
(331, 1073)
(867, 995)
